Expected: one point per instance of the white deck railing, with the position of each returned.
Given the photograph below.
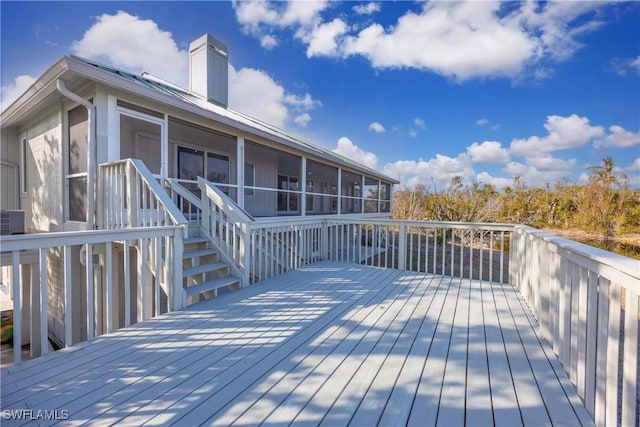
(455, 249)
(34, 259)
(586, 303)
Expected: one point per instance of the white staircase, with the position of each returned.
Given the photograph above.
(204, 274)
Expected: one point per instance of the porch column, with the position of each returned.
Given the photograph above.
(303, 183)
(339, 204)
(362, 196)
(240, 169)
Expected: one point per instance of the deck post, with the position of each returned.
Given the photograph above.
(179, 295)
(17, 307)
(245, 254)
(402, 246)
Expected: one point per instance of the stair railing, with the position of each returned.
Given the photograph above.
(228, 225)
(132, 197)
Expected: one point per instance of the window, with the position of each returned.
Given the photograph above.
(371, 194)
(249, 179)
(23, 166)
(351, 193)
(76, 177)
(218, 168)
(287, 200)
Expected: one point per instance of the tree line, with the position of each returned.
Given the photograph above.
(605, 204)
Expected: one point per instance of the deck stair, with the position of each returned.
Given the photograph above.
(204, 274)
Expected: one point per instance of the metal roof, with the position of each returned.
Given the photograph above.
(166, 88)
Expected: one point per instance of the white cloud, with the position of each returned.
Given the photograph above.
(419, 123)
(377, 127)
(12, 91)
(633, 172)
(635, 166)
(268, 41)
(563, 133)
(488, 152)
(134, 44)
(322, 40)
(546, 162)
(625, 66)
(302, 120)
(273, 104)
(366, 9)
(413, 133)
(245, 83)
(260, 18)
(351, 151)
(482, 122)
(618, 137)
(461, 40)
(438, 170)
(534, 176)
(498, 182)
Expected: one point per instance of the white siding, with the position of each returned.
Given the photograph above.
(44, 201)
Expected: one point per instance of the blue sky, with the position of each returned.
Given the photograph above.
(421, 91)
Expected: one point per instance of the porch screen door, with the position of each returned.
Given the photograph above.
(141, 138)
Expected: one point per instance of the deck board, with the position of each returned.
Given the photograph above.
(331, 344)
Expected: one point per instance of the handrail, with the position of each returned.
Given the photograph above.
(224, 202)
(226, 224)
(141, 188)
(176, 187)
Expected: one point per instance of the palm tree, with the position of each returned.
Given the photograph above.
(607, 176)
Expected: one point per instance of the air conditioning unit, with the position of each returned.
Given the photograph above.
(11, 222)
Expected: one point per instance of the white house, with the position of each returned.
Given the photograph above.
(91, 148)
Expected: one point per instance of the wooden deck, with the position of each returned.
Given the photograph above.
(331, 344)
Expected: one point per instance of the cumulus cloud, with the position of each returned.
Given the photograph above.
(460, 40)
(349, 150)
(12, 91)
(302, 120)
(135, 44)
(129, 42)
(618, 137)
(488, 152)
(366, 9)
(273, 105)
(563, 133)
(377, 127)
(419, 123)
(438, 170)
(261, 19)
(498, 182)
(322, 41)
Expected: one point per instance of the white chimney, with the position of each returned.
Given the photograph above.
(209, 69)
